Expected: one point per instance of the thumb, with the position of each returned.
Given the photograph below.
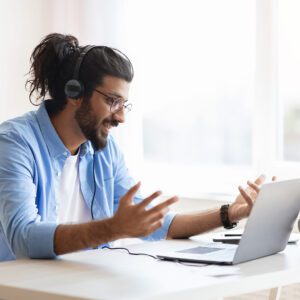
(127, 198)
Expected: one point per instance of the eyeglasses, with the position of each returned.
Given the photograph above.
(115, 103)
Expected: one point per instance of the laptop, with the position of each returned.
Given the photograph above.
(267, 230)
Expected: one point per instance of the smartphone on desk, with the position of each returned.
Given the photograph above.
(234, 238)
(229, 238)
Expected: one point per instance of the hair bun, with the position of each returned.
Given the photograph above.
(64, 49)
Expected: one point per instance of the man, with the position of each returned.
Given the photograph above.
(64, 185)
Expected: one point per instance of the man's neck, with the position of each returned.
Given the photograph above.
(68, 130)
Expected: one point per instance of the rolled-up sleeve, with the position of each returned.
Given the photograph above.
(26, 234)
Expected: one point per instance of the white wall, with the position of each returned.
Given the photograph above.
(23, 23)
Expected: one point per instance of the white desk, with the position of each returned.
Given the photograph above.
(113, 274)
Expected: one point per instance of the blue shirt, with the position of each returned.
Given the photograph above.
(32, 157)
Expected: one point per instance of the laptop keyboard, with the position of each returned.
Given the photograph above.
(222, 254)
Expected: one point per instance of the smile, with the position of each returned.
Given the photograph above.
(107, 127)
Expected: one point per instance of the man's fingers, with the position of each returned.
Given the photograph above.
(164, 205)
(149, 199)
(130, 194)
(260, 180)
(274, 178)
(254, 186)
(155, 226)
(132, 191)
(246, 196)
(154, 217)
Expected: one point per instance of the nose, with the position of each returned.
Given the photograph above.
(120, 115)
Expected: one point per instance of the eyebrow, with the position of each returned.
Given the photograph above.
(116, 95)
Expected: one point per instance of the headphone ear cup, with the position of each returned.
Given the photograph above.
(74, 89)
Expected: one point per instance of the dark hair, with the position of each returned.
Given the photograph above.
(53, 61)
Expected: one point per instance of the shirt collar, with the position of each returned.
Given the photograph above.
(55, 145)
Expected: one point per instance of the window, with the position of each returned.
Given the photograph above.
(195, 64)
(216, 91)
(289, 76)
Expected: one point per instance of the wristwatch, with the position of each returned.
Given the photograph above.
(225, 218)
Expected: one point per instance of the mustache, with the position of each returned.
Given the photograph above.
(113, 123)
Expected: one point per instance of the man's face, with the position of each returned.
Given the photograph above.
(98, 115)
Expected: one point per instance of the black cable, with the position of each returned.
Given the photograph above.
(131, 253)
(94, 193)
(189, 264)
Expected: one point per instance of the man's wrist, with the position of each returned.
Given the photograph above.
(226, 217)
(231, 216)
(114, 229)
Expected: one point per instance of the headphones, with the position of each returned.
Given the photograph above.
(74, 88)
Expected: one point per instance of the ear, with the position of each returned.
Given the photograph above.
(75, 103)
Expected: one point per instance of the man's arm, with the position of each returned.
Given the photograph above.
(74, 237)
(130, 220)
(186, 225)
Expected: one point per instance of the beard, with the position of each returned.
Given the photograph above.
(90, 126)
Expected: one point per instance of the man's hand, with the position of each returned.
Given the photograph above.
(243, 204)
(135, 220)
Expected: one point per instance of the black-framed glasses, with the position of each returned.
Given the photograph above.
(115, 103)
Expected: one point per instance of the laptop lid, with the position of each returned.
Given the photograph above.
(267, 230)
(271, 221)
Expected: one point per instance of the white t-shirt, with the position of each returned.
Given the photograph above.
(72, 207)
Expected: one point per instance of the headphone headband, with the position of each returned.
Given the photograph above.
(80, 60)
(74, 88)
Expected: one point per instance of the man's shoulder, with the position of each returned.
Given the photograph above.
(19, 127)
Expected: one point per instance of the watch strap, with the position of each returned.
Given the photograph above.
(225, 218)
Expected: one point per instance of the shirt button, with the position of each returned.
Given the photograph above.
(58, 173)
